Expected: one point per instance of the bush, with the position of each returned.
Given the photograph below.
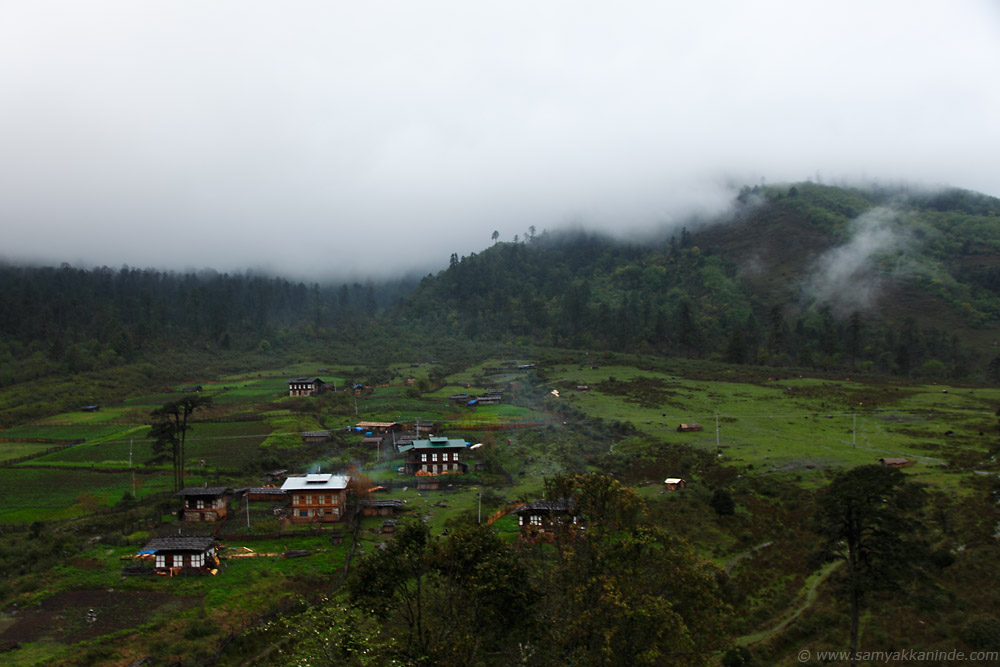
(722, 502)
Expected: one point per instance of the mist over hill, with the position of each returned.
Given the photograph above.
(887, 280)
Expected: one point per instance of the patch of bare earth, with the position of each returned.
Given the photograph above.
(75, 616)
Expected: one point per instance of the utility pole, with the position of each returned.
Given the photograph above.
(130, 465)
(854, 429)
(480, 514)
(718, 443)
(247, 500)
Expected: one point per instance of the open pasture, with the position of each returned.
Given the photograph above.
(32, 494)
(223, 445)
(64, 432)
(797, 425)
(10, 451)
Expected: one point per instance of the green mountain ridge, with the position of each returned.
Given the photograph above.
(805, 274)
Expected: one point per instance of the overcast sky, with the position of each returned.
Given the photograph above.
(357, 138)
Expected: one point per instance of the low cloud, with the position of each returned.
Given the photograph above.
(854, 275)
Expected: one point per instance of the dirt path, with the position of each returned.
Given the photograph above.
(812, 583)
(731, 563)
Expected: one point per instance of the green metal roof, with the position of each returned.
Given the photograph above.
(434, 443)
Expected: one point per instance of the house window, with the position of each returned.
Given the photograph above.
(296, 500)
(520, 520)
(161, 560)
(200, 504)
(336, 511)
(309, 500)
(423, 457)
(536, 519)
(454, 456)
(198, 560)
(434, 456)
(319, 512)
(303, 513)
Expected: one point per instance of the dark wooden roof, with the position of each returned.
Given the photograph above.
(559, 505)
(266, 490)
(381, 503)
(203, 491)
(179, 543)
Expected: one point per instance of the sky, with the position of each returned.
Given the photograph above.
(343, 139)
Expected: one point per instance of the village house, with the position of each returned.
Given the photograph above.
(686, 428)
(317, 497)
(544, 519)
(204, 503)
(315, 436)
(674, 484)
(305, 386)
(435, 456)
(179, 555)
(896, 463)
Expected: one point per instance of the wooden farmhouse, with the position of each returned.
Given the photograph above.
(896, 463)
(542, 520)
(687, 428)
(204, 503)
(177, 555)
(435, 456)
(674, 484)
(318, 498)
(306, 386)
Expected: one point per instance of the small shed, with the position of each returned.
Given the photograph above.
(266, 493)
(315, 436)
(380, 507)
(674, 483)
(895, 463)
(687, 428)
(276, 475)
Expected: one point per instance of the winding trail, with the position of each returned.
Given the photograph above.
(731, 563)
(812, 583)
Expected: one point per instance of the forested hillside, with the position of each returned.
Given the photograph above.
(68, 320)
(879, 280)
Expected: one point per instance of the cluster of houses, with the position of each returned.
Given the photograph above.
(322, 498)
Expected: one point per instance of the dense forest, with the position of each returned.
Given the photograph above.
(68, 320)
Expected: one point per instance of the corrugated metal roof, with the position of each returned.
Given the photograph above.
(435, 442)
(315, 482)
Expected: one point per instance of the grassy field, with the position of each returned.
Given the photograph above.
(798, 425)
(32, 494)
